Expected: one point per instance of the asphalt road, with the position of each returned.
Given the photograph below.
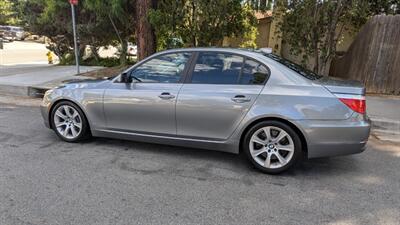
(103, 181)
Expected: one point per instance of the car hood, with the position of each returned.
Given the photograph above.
(83, 83)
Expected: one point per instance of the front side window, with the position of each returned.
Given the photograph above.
(166, 68)
(217, 68)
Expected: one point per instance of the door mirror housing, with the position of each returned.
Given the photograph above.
(125, 78)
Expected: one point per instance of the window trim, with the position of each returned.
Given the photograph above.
(195, 55)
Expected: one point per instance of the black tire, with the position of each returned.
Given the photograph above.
(293, 135)
(85, 132)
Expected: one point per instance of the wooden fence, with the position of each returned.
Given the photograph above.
(374, 56)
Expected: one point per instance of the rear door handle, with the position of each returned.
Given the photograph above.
(166, 96)
(241, 99)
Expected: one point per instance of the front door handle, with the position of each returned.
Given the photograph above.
(241, 99)
(166, 96)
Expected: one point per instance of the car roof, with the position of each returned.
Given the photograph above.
(240, 51)
(209, 49)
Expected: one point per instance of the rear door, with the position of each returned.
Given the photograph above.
(219, 91)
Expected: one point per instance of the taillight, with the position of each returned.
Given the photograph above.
(357, 105)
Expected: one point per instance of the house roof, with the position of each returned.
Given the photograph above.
(263, 14)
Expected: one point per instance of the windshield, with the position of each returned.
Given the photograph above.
(293, 66)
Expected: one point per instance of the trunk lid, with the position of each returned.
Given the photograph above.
(351, 93)
(340, 86)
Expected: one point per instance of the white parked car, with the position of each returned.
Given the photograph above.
(19, 33)
(12, 33)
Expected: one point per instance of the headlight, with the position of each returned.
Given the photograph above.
(48, 92)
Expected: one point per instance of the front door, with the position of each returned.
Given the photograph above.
(221, 90)
(148, 104)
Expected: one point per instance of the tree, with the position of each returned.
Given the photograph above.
(145, 36)
(6, 12)
(260, 5)
(363, 10)
(95, 32)
(99, 23)
(122, 18)
(51, 19)
(201, 23)
(313, 28)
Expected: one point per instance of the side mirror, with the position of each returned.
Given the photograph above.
(125, 78)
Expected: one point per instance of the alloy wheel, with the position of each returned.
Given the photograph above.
(271, 147)
(68, 122)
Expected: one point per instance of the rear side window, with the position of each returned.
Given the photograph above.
(217, 68)
(253, 73)
(225, 68)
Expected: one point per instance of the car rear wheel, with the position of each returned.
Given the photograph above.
(69, 122)
(272, 146)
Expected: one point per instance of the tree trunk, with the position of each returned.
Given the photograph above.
(81, 50)
(316, 58)
(194, 39)
(95, 52)
(331, 40)
(315, 38)
(263, 4)
(124, 49)
(145, 37)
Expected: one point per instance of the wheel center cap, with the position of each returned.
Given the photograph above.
(271, 146)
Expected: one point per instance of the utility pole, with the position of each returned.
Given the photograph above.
(73, 4)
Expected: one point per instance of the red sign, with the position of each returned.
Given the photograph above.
(73, 2)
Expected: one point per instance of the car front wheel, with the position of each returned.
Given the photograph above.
(69, 122)
(272, 146)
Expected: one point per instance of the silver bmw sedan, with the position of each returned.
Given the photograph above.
(229, 100)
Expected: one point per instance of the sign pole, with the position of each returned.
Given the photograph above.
(75, 39)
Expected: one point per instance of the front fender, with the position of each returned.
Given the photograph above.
(90, 101)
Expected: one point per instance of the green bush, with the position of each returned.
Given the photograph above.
(67, 59)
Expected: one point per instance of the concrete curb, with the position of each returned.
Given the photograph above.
(386, 125)
(31, 80)
(23, 91)
(386, 129)
(36, 90)
(14, 90)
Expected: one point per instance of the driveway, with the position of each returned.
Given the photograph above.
(103, 181)
(23, 66)
(23, 52)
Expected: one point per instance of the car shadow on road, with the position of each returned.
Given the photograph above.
(234, 162)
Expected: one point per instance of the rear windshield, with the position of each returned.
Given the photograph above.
(293, 66)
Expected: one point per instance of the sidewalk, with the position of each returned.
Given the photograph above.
(24, 79)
